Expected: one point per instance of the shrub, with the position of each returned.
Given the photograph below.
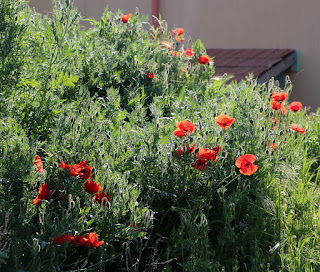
(113, 156)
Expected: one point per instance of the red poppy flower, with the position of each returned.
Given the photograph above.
(81, 169)
(101, 198)
(175, 53)
(295, 106)
(151, 75)
(59, 240)
(185, 150)
(92, 187)
(64, 165)
(205, 155)
(279, 96)
(178, 31)
(75, 169)
(180, 133)
(93, 238)
(90, 239)
(178, 38)
(167, 45)
(183, 128)
(203, 60)
(199, 164)
(297, 129)
(186, 126)
(283, 109)
(38, 162)
(245, 163)
(189, 52)
(37, 201)
(126, 17)
(208, 154)
(275, 105)
(224, 121)
(81, 241)
(44, 193)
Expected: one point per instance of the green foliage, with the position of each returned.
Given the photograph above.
(71, 94)
(11, 38)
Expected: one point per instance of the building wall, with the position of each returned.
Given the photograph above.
(95, 8)
(238, 24)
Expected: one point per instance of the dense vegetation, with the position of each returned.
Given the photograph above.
(94, 110)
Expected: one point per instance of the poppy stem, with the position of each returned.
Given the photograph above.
(220, 183)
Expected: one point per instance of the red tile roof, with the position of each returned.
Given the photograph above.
(240, 62)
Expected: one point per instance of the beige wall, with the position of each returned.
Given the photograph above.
(239, 24)
(95, 8)
(41, 6)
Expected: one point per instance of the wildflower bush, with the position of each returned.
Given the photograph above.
(121, 151)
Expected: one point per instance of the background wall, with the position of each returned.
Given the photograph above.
(237, 24)
(95, 8)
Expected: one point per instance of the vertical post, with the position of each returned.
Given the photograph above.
(155, 12)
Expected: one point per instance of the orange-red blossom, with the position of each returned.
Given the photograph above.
(64, 165)
(125, 18)
(178, 32)
(189, 52)
(102, 198)
(203, 60)
(224, 121)
(205, 155)
(44, 193)
(185, 150)
(245, 163)
(175, 53)
(295, 106)
(151, 75)
(178, 38)
(277, 105)
(90, 239)
(59, 240)
(279, 96)
(277, 99)
(297, 129)
(92, 187)
(81, 169)
(38, 162)
(184, 128)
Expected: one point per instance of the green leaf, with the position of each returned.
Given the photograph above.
(182, 92)
(71, 81)
(31, 82)
(90, 222)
